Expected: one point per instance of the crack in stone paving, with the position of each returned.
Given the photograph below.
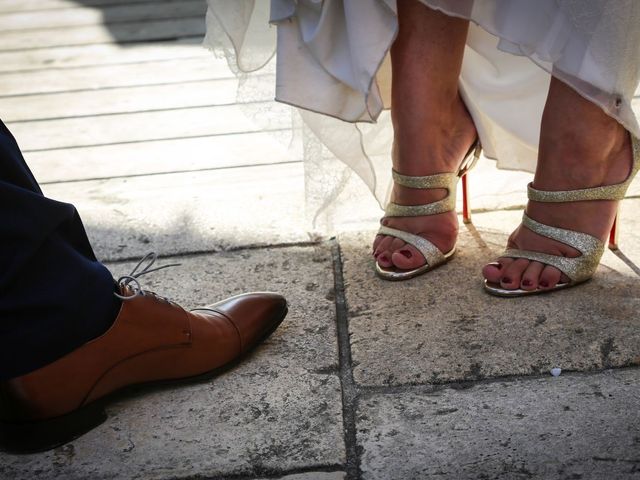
(269, 473)
(369, 391)
(349, 389)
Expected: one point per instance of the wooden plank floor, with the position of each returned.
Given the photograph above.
(107, 90)
(108, 95)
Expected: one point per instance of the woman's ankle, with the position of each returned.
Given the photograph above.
(580, 145)
(582, 159)
(434, 143)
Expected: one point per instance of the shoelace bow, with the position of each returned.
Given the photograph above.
(131, 280)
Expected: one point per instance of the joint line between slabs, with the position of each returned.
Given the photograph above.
(269, 473)
(40, 67)
(113, 87)
(170, 172)
(150, 140)
(368, 391)
(349, 389)
(83, 7)
(76, 7)
(135, 112)
(221, 250)
(176, 38)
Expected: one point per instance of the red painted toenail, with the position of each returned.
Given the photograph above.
(526, 283)
(384, 259)
(505, 280)
(406, 253)
(544, 284)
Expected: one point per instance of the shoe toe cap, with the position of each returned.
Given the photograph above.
(255, 315)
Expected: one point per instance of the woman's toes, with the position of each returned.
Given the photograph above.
(512, 274)
(407, 258)
(383, 247)
(549, 277)
(493, 271)
(384, 260)
(396, 244)
(376, 243)
(383, 257)
(531, 276)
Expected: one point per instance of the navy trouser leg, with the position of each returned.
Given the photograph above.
(54, 294)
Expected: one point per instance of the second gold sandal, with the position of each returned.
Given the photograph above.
(581, 268)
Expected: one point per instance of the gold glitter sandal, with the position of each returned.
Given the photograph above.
(432, 254)
(581, 268)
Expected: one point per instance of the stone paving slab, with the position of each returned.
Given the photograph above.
(442, 327)
(314, 476)
(279, 411)
(190, 212)
(571, 427)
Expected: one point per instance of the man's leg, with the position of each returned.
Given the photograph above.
(54, 294)
(55, 297)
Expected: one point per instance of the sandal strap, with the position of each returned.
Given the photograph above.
(448, 180)
(431, 253)
(439, 180)
(577, 269)
(445, 205)
(605, 192)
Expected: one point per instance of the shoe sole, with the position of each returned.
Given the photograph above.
(41, 436)
(400, 275)
(498, 291)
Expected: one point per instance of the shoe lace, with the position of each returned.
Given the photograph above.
(131, 280)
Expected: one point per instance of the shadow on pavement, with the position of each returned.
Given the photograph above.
(146, 21)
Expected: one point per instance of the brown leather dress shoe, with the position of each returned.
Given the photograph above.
(151, 340)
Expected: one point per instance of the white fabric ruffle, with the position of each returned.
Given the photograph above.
(333, 62)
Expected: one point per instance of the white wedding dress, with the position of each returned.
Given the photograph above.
(332, 62)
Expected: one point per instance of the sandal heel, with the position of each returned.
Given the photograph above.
(469, 162)
(39, 436)
(466, 205)
(613, 234)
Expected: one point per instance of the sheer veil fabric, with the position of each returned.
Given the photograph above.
(333, 63)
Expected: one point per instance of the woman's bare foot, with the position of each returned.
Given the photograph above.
(580, 147)
(432, 128)
(450, 137)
